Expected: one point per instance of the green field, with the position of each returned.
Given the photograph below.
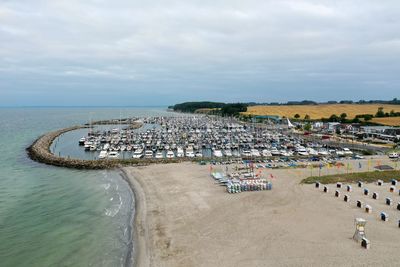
(367, 177)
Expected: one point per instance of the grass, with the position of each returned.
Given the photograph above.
(367, 177)
(390, 121)
(320, 111)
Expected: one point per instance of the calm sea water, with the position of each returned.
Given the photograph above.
(52, 216)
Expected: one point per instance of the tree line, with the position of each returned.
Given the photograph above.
(216, 108)
(394, 101)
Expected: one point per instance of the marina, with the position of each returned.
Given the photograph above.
(203, 137)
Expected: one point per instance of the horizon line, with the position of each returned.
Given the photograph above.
(80, 106)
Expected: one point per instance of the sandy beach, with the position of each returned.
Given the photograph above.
(184, 219)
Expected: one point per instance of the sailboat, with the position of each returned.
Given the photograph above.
(290, 124)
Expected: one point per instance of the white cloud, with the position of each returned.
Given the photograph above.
(171, 44)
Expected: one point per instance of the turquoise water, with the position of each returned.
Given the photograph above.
(52, 216)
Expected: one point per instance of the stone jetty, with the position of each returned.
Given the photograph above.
(40, 151)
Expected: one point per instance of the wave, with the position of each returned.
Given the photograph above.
(115, 208)
(106, 186)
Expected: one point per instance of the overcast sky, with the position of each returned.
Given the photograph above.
(127, 52)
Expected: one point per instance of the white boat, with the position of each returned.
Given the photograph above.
(189, 152)
(235, 153)
(228, 152)
(103, 154)
(179, 152)
(286, 153)
(87, 145)
(82, 141)
(275, 152)
(340, 153)
(148, 154)
(347, 151)
(302, 151)
(312, 151)
(170, 154)
(113, 155)
(159, 155)
(217, 153)
(393, 155)
(138, 153)
(266, 153)
(323, 152)
(246, 153)
(255, 153)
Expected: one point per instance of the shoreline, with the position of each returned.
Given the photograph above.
(139, 228)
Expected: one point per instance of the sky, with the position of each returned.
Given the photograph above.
(160, 52)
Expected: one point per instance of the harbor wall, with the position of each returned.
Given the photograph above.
(40, 151)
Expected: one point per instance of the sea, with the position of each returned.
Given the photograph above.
(52, 216)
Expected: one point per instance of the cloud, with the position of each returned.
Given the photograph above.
(245, 50)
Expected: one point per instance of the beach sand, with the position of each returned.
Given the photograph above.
(185, 219)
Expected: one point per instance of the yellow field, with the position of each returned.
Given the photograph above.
(320, 111)
(391, 121)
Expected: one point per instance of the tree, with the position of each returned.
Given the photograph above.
(333, 118)
(338, 130)
(307, 126)
(368, 117)
(380, 113)
(307, 117)
(297, 116)
(233, 109)
(343, 117)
